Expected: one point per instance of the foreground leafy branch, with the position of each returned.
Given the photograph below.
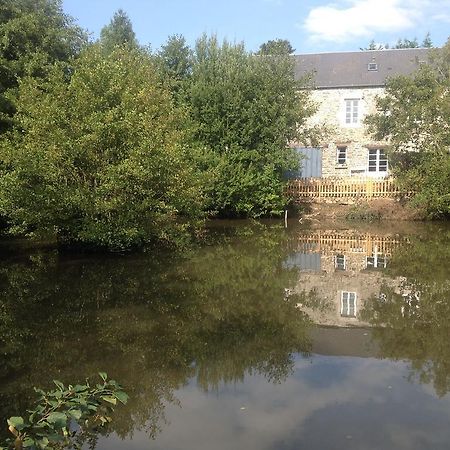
(64, 416)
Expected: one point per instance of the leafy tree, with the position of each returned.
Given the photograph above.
(118, 32)
(276, 47)
(413, 115)
(98, 159)
(245, 109)
(34, 35)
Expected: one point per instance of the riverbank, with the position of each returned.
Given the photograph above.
(360, 210)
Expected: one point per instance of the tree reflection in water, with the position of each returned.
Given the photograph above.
(152, 322)
(412, 322)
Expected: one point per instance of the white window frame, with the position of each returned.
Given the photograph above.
(346, 309)
(352, 111)
(379, 152)
(379, 261)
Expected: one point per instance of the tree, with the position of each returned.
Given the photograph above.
(176, 57)
(413, 115)
(407, 43)
(276, 47)
(427, 42)
(175, 62)
(245, 109)
(374, 46)
(118, 32)
(98, 160)
(401, 43)
(35, 35)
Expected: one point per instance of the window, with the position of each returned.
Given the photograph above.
(341, 155)
(372, 67)
(352, 110)
(348, 304)
(339, 262)
(377, 261)
(378, 161)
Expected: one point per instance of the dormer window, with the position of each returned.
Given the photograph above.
(372, 67)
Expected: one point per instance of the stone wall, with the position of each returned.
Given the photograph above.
(331, 113)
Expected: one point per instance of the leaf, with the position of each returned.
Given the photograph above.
(28, 442)
(103, 375)
(16, 422)
(121, 396)
(109, 399)
(75, 413)
(58, 419)
(79, 388)
(44, 442)
(59, 385)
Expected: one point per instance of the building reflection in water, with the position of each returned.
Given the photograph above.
(344, 271)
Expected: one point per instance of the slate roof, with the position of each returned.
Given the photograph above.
(350, 69)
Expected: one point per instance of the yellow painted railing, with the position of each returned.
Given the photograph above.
(316, 189)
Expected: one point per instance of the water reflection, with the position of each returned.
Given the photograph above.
(152, 322)
(399, 286)
(235, 318)
(344, 270)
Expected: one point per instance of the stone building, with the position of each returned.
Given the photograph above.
(346, 85)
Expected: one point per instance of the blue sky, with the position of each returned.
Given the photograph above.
(310, 25)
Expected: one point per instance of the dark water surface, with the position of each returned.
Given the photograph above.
(262, 338)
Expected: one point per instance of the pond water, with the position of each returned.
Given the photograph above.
(262, 338)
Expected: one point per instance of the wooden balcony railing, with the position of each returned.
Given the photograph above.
(321, 189)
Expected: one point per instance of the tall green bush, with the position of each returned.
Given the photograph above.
(245, 110)
(98, 158)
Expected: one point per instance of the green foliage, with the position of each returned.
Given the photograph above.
(401, 43)
(118, 32)
(276, 47)
(413, 115)
(245, 110)
(34, 35)
(100, 159)
(176, 58)
(51, 423)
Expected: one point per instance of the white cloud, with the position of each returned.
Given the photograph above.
(352, 19)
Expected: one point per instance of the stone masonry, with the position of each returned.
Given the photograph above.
(331, 112)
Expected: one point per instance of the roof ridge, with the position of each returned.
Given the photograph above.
(367, 51)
